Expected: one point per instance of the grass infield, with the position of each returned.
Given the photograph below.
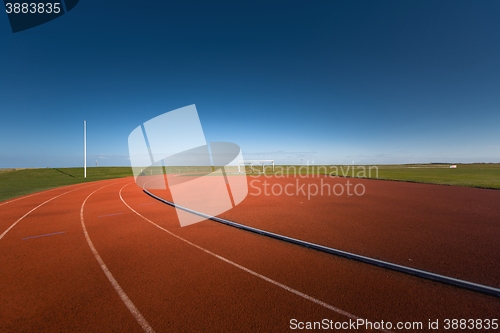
(17, 182)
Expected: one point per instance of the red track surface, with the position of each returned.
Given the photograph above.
(217, 278)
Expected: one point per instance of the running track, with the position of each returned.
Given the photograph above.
(104, 257)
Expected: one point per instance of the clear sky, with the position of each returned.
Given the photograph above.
(362, 82)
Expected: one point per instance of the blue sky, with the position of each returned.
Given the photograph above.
(326, 81)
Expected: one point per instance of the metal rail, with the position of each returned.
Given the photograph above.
(367, 260)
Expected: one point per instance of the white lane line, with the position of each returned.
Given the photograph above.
(106, 215)
(40, 205)
(476, 287)
(23, 197)
(44, 235)
(126, 300)
(265, 278)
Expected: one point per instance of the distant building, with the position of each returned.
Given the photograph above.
(453, 166)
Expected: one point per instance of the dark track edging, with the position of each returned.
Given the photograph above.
(491, 291)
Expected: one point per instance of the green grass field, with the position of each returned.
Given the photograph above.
(17, 182)
(472, 175)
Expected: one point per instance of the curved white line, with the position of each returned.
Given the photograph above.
(265, 278)
(23, 197)
(488, 290)
(40, 205)
(126, 300)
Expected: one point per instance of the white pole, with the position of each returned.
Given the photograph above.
(84, 149)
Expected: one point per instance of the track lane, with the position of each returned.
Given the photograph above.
(487, 290)
(371, 292)
(278, 284)
(53, 283)
(33, 209)
(13, 211)
(126, 300)
(448, 230)
(177, 289)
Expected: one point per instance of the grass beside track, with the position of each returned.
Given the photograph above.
(471, 175)
(17, 182)
(482, 175)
